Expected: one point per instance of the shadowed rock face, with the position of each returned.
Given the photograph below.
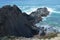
(39, 13)
(15, 23)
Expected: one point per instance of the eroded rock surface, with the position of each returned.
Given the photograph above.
(15, 23)
(39, 13)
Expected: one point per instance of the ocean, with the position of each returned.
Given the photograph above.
(52, 20)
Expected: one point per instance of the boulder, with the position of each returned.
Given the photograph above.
(14, 23)
(39, 13)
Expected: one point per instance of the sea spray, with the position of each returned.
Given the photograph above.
(50, 28)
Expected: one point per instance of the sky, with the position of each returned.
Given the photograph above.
(29, 2)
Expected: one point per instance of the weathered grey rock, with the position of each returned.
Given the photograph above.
(14, 23)
(39, 13)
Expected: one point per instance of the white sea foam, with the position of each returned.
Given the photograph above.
(33, 8)
(51, 10)
(30, 10)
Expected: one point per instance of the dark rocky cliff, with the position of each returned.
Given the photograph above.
(15, 23)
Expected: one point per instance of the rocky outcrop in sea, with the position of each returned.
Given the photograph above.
(14, 22)
(39, 13)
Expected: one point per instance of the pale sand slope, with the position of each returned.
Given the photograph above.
(35, 38)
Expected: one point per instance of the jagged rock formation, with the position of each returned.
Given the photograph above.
(39, 13)
(15, 23)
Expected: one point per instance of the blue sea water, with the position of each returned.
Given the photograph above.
(52, 20)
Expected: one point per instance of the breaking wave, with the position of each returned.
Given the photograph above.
(29, 9)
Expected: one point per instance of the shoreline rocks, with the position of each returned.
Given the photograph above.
(15, 23)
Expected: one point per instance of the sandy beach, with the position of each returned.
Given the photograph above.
(36, 37)
(53, 38)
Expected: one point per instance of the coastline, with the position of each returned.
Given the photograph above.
(36, 37)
